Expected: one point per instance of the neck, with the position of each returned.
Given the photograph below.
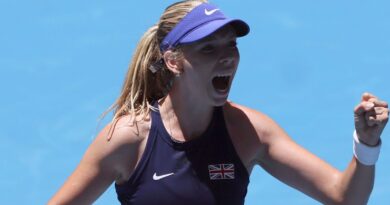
(184, 118)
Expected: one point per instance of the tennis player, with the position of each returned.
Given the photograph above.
(176, 139)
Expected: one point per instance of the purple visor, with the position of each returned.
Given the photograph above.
(202, 21)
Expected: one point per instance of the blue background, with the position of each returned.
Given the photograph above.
(305, 64)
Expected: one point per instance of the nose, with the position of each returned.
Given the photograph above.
(226, 60)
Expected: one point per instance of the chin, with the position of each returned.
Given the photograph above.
(219, 100)
(220, 104)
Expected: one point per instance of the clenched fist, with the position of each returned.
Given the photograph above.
(371, 116)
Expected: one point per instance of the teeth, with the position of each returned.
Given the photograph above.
(223, 75)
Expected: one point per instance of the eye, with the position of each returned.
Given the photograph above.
(207, 48)
(232, 44)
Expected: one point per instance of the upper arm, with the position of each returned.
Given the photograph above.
(280, 156)
(104, 162)
(297, 167)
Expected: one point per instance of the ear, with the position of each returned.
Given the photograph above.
(172, 62)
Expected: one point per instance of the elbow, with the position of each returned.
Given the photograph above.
(349, 198)
(347, 202)
(353, 199)
(352, 192)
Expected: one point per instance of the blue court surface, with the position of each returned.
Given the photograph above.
(305, 64)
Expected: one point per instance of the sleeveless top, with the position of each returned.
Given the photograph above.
(202, 171)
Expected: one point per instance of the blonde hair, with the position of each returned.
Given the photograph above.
(141, 86)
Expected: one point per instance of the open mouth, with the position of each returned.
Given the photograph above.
(221, 82)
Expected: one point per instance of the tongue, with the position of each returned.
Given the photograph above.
(221, 83)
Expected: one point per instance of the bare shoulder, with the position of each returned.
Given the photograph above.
(245, 118)
(252, 132)
(125, 131)
(248, 130)
(120, 144)
(112, 156)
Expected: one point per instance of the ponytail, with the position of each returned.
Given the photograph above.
(144, 84)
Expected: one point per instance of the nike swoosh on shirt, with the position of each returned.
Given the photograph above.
(208, 13)
(155, 177)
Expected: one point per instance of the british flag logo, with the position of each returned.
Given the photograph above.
(221, 171)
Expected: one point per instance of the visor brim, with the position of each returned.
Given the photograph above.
(207, 29)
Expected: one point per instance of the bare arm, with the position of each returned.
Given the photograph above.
(103, 163)
(298, 168)
(287, 161)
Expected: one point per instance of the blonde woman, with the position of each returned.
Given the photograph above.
(176, 139)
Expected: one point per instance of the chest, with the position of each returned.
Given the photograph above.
(207, 173)
(193, 181)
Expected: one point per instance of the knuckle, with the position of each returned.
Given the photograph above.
(358, 108)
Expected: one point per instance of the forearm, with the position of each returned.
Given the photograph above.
(356, 183)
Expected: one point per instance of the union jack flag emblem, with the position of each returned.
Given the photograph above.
(221, 171)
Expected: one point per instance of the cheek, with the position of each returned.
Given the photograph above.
(206, 61)
(197, 73)
(203, 66)
(236, 54)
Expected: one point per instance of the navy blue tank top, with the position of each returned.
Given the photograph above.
(203, 171)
